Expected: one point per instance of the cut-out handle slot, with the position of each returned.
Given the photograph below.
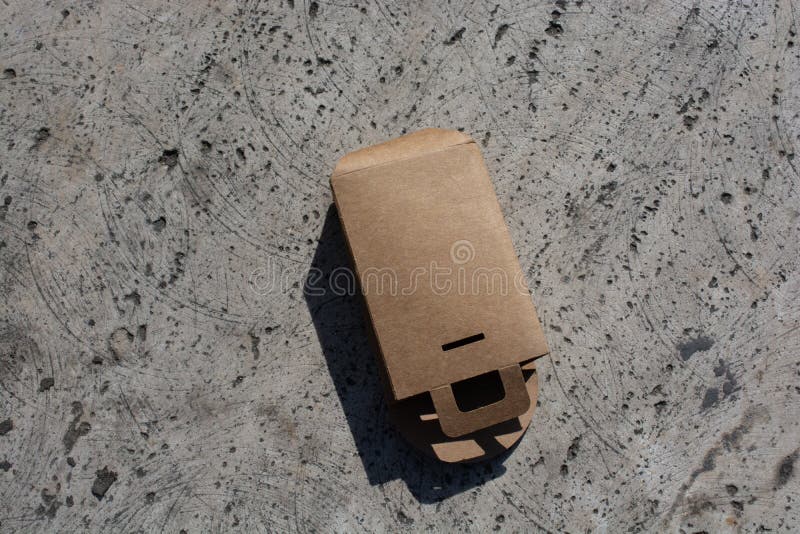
(464, 341)
(456, 423)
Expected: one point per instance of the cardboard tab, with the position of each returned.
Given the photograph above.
(456, 423)
(444, 291)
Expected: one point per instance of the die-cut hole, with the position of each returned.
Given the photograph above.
(478, 391)
(464, 341)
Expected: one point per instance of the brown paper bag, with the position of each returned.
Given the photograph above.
(447, 300)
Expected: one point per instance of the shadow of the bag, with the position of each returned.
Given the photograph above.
(343, 333)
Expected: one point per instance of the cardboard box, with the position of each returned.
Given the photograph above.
(448, 303)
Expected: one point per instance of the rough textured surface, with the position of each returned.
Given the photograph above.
(158, 160)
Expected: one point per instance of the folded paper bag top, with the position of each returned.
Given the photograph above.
(444, 291)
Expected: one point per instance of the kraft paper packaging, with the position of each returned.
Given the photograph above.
(453, 322)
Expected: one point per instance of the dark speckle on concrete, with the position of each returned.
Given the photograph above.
(699, 344)
(404, 519)
(785, 470)
(501, 31)
(76, 427)
(49, 506)
(554, 29)
(456, 37)
(46, 383)
(711, 398)
(6, 426)
(103, 481)
(169, 157)
(159, 224)
(42, 135)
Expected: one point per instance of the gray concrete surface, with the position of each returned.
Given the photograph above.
(158, 158)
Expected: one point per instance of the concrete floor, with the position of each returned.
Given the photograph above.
(161, 162)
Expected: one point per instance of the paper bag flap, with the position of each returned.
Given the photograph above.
(407, 146)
